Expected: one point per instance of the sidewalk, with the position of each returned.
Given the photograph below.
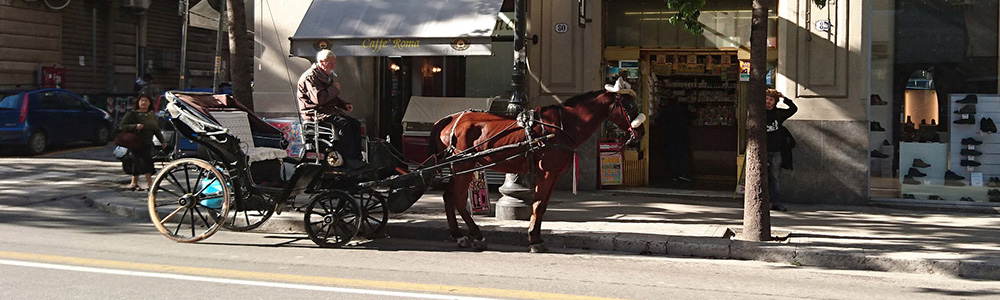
(643, 222)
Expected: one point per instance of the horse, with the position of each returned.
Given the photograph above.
(559, 128)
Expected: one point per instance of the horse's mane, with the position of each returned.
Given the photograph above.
(573, 101)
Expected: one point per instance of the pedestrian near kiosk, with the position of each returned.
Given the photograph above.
(142, 120)
(779, 144)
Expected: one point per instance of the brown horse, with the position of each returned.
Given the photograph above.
(569, 125)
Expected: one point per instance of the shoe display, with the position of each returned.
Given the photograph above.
(876, 126)
(876, 100)
(909, 180)
(920, 163)
(969, 99)
(949, 175)
(968, 199)
(971, 141)
(886, 143)
(965, 121)
(968, 152)
(953, 182)
(969, 163)
(968, 109)
(877, 154)
(987, 125)
(915, 173)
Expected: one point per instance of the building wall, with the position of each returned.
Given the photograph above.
(30, 35)
(827, 75)
(562, 65)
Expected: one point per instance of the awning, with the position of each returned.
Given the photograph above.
(431, 109)
(397, 28)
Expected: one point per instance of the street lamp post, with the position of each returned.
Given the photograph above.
(518, 189)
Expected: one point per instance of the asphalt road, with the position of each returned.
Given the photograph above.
(55, 247)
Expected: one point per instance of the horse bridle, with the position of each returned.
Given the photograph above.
(625, 109)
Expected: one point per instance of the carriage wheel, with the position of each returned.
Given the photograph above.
(189, 200)
(333, 218)
(249, 212)
(376, 215)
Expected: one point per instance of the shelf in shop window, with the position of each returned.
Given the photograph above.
(709, 102)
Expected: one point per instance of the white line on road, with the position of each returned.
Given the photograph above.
(233, 281)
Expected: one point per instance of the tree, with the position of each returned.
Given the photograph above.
(757, 202)
(240, 52)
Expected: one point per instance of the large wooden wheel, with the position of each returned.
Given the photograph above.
(189, 200)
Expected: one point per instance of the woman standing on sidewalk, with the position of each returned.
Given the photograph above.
(142, 121)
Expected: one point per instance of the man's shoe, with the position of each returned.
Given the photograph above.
(886, 143)
(967, 199)
(877, 154)
(953, 182)
(971, 141)
(969, 152)
(969, 163)
(876, 126)
(949, 175)
(993, 125)
(934, 197)
(876, 100)
(909, 196)
(968, 109)
(993, 192)
(969, 99)
(909, 180)
(965, 121)
(920, 163)
(915, 173)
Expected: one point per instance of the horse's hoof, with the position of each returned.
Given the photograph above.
(538, 248)
(464, 242)
(480, 244)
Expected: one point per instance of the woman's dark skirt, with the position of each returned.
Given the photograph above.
(142, 160)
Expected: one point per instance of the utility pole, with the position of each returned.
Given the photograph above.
(183, 11)
(518, 189)
(218, 47)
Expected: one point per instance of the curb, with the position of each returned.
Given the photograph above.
(650, 244)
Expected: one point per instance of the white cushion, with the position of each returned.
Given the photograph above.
(239, 126)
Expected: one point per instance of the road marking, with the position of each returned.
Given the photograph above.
(430, 291)
(234, 281)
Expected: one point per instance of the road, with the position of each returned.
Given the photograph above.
(57, 247)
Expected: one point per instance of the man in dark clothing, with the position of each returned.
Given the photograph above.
(777, 142)
(317, 91)
(675, 120)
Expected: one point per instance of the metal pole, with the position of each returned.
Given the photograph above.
(93, 44)
(183, 11)
(518, 189)
(218, 47)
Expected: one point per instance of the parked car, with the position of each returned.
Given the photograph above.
(35, 120)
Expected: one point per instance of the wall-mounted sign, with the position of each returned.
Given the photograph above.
(562, 27)
(322, 44)
(744, 70)
(824, 25)
(582, 13)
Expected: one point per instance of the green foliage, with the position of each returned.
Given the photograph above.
(687, 14)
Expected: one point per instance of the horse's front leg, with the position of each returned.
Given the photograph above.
(543, 190)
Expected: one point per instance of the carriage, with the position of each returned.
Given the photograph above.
(192, 198)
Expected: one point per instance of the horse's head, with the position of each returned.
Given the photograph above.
(625, 113)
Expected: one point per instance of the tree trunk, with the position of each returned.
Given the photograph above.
(240, 52)
(757, 203)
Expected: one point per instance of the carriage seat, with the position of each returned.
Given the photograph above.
(239, 127)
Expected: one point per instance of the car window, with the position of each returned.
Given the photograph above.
(67, 101)
(50, 101)
(11, 102)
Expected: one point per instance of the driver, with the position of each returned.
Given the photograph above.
(316, 90)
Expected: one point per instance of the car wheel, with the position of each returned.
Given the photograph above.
(37, 143)
(102, 136)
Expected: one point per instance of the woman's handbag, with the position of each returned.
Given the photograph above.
(128, 140)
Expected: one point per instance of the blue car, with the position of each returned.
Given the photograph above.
(35, 120)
